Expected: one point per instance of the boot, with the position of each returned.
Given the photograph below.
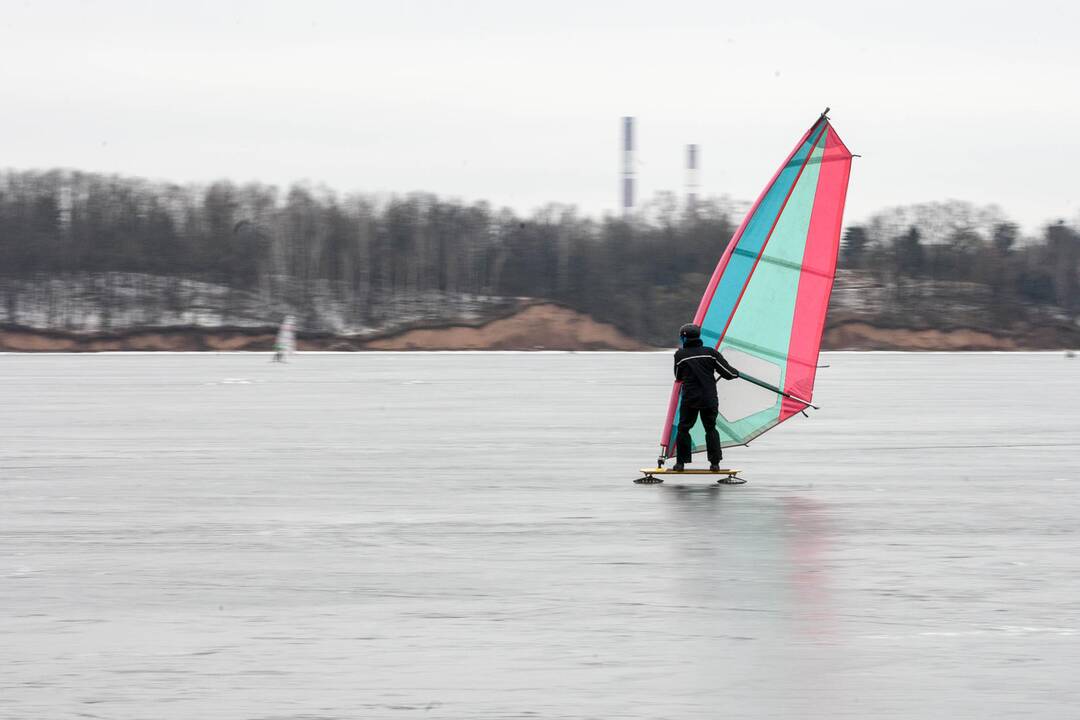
(678, 467)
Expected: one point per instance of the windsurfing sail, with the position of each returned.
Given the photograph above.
(765, 305)
(285, 344)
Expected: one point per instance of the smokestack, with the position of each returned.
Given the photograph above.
(692, 160)
(628, 166)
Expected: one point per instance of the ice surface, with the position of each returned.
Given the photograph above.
(457, 536)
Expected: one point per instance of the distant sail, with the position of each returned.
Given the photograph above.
(765, 305)
(285, 343)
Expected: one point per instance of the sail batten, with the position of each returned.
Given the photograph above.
(765, 304)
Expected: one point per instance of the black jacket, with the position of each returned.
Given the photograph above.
(694, 366)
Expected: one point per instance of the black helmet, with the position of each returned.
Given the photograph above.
(690, 331)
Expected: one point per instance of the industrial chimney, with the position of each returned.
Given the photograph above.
(628, 166)
(692, 164)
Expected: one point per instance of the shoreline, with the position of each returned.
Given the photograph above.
(536, 327)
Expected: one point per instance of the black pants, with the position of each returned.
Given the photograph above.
(683, 445)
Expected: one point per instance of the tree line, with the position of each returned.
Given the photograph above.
(368, 256)
(914, 248)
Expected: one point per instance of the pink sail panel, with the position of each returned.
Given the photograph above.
(819, 270)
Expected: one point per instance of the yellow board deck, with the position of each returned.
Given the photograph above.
(687, 471)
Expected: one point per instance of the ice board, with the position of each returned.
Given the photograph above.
(726, 476)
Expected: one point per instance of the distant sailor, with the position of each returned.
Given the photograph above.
(285, 344)
(696, 367)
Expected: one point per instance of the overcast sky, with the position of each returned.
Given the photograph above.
(519, 103)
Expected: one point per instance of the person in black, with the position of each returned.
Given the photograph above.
(695, 366)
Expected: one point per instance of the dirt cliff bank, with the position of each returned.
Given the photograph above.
(856, 335)
(542, 326)
(536, 326)
(539, 326)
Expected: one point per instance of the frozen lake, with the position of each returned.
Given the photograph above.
(456, 536)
